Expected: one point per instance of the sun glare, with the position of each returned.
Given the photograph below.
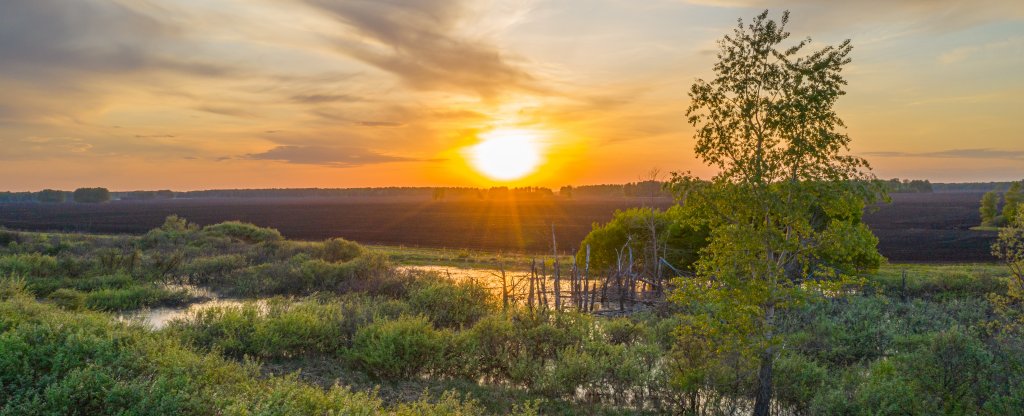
(506, 154)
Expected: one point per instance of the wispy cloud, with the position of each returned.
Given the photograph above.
(334, 156)
(419, 42)
(930, 15)
(981, 153)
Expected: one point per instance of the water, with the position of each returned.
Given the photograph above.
(516, 281)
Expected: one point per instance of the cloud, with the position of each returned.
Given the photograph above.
(379, 124)
(39, 38)
(335, 156)
(324, 98)
(957, 153)
(964, 52)
(932, 15)
(419, 42)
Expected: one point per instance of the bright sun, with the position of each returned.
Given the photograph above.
(506, 154)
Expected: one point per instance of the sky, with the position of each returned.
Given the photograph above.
(210, 94)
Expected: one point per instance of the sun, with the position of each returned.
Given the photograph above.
(506, 154)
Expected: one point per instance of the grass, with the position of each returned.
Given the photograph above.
(463, 258)
(985, 228)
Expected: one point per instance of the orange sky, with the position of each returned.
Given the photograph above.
(198, 94)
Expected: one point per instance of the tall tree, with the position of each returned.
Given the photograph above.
(784, 210)
(1012, 200)
(989, 208)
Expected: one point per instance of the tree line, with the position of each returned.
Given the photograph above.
(53, 196)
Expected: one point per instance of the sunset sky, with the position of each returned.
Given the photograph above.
(199, 94)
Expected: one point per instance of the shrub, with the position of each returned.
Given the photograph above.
(276, 328)
(29, 265)
(797, 380)
(400, 349)
(134, 297)
(340, 250)
(11, 287)
(204, 270)
(56, 362)
(70, 299)
(450, 304)
(245, 232)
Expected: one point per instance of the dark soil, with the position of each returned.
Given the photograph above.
(915, 227)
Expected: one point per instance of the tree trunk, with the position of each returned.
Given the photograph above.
(763, 401)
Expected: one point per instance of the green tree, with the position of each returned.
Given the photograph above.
(51, 196)
(91, 195)
(989, 208)
(1011, 201)
(784, 212)
(1009, 248)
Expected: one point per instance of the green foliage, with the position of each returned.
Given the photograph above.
(69, 299)
(450, 304)
(51, 196)
(1012, 200)
(371, 273)
(31, 265)
(784, 212)
(340, 250)
(91, 195)
(398, 349)
(676, 237)
(274, 328)
(989, 208)
(208, 270)
(1009, 248)
(244, 232)
(135, 297)
(54, 362)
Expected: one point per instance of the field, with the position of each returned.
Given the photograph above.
(932, 227)
(331, 327)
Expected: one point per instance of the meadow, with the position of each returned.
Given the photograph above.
(335, 327)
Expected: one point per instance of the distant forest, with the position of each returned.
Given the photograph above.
(642, 189)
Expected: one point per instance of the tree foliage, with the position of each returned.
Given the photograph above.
(784, 213)
(91, 195)
(989, 208)
(51, 196)
(1012, 200)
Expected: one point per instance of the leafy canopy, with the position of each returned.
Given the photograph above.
(784, 211)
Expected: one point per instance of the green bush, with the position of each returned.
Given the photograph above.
(134, 297)
(450, 304)
(244, 232)
(399, 349)
(56, 362)
(340, 250)
(205, 270)
(70, 299)
(274, 328)
(32, 265)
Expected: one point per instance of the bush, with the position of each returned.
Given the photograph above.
(400, 349)
(244, 232)
(276, 328)
(56, 362)
(204, 270)
(134, 297)
(449, 304)
(340, 250)
(70, 299)
(29, 265)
